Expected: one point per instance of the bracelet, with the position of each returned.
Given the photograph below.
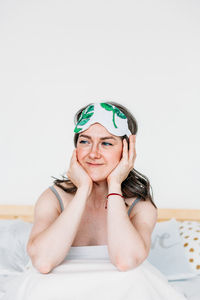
(110, 195)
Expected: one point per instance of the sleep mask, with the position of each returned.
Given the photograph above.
(111, 117)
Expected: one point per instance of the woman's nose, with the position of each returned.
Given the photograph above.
(94, 152)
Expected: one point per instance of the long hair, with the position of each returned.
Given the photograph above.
(136, 184)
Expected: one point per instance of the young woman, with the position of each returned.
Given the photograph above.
(102, 199)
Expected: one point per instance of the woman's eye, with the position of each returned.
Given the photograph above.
(107, 143)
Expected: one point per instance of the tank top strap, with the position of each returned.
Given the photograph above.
(133, 204)
(58, 196)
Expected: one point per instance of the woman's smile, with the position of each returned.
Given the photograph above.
(94, 165)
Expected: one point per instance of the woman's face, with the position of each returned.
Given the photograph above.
(98, 151)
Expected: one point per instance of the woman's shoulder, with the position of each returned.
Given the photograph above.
(142, 204)
(129, 201)
(65, 196)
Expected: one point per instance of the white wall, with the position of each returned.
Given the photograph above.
(56, 56)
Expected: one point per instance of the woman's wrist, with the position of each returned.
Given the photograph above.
(85, 190)
(114, 188)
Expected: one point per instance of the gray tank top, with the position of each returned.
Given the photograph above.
(62, 206)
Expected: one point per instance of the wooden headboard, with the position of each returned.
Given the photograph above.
(26, 213)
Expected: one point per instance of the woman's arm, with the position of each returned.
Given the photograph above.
(49, 248)
(129, 240)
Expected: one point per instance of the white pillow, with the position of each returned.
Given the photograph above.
(190, 239)
(167, 253)
(14, 236)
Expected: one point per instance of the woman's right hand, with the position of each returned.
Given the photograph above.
(77, 174)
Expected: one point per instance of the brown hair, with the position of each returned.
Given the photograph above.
(136, 184)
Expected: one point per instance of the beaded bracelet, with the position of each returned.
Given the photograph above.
(110, 195)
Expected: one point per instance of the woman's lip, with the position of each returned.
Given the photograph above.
(94, 164)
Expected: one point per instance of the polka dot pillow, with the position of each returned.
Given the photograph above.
(190, 236)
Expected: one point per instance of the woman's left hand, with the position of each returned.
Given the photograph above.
(126, 164)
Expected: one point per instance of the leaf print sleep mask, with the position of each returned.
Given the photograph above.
(113, 119)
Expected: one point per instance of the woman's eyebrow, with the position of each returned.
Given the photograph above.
(102, 138)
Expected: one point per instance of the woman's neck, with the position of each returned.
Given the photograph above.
(98, 195)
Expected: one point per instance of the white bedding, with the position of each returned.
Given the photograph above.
(87, 274)
(88, 271)
(190, 288)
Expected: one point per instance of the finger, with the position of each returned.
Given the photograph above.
(73, 158)
(125, 150)
(132, 150)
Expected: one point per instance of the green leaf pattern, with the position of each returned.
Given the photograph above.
(115, 110)
(88, 112)
(84, 117)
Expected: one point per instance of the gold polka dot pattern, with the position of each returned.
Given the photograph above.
(190, 236)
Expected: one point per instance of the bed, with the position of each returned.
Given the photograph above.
(176, 238)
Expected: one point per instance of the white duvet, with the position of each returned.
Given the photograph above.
(87, 273)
